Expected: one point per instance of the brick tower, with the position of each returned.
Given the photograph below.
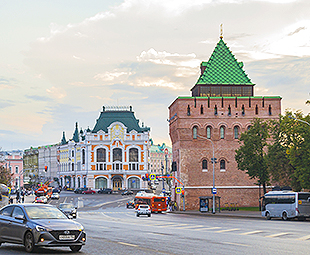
(222, 106)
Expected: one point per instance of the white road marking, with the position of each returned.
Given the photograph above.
(252, 232)
(128, 244)
(238, 244)
(210, 228)
(277, 235)
(189, 227)
(227, 230)
(304, 238)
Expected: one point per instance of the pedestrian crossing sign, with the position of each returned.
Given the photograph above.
(178, 190)
(152, 177)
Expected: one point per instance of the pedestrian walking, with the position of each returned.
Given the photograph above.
(23, 196)
(17, 196)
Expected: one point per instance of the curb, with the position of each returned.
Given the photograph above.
(197, 213)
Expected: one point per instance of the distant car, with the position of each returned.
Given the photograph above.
(105, 191)
(89, 191)
(143, 210)
(41, 199)
(55, 196)
(68, 209)
(79, 190)
(130, 204)
(56, 190)
(38, 225)
(127, 192)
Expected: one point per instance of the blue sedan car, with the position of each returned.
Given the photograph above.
(39, 225)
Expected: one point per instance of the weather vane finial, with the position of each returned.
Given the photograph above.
(221, 33)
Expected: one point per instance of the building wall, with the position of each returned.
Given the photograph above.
(189, 153)
(116, 137)
(14, 160)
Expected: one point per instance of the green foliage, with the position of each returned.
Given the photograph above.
(5, 175)
(294, 137)
(251, 155)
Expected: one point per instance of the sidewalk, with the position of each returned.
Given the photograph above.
(235, 214)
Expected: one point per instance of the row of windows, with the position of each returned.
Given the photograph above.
(205, 164)
(222, 132)
(229, 110)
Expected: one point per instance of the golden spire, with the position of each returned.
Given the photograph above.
(221, 32)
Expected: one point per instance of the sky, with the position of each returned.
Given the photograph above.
(61, 61)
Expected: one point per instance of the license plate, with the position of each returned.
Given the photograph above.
(66, 237)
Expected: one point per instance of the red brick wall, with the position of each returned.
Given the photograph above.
(189, 152)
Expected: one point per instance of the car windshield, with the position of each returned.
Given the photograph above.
(44, 212)
(65, 206)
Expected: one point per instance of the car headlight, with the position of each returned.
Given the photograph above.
(41, 229)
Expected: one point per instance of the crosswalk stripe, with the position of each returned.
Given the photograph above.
(210, 228)
(188, 227)
(304, 238)
(277, 235)
(252, 232)
(227, 230)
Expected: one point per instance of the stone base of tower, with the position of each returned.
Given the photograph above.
(241, 197)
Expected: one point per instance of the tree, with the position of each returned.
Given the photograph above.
(5, 175)
(251, 155)
(279, 166)
(294, 136)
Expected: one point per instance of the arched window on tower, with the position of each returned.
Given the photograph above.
(236, 132)
(204, 165)
(195, 129)
(188, 111)
(222, 132)
(256, 109)
(201, 109)
(229, 110)
(269, 110)
(243, 110)
(215, 110)
(209, 132)
(222, 165)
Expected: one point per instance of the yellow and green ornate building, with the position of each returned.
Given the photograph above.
(114, 154)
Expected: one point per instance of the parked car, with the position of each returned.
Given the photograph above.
(55, 196)
(38, 225)
(57, 190)
(41, 199)
(105, 191)
(89, 191)
(143, 210)
(127, 192)
(68, 209)
(79, 190)
(130, 204)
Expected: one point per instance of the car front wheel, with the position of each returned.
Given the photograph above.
(75, 248)
(29, 242)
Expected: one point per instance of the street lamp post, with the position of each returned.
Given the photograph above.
(299, 120)
(213, 162)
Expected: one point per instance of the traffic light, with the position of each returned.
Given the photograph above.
(45, 168)
(174, 166)
(147, 176)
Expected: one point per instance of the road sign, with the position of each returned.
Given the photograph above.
(214, 190)
(166, 151)
(152, 177)
(178, 190)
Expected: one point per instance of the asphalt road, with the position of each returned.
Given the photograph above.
(113, 229)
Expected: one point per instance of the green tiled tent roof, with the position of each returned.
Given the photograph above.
(128, 118)
(223, 68)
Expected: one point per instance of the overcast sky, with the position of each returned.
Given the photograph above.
(62, 60)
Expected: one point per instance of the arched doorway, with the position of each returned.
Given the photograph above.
(101, 183)
(117, 182)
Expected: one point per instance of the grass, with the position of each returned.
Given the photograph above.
(249, 209)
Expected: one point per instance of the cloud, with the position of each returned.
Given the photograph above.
(38, 98)
(56, 92)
